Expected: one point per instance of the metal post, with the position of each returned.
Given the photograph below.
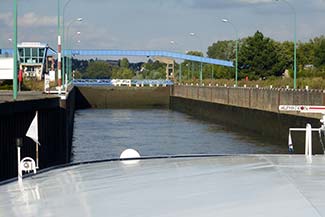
(59, 47)
(237, 39)
(236, 82)
(195, 35)
(212, 76)
(69, 45)
(15, 53)
(201, 74)
(188, 71)
(63, 54)
(180, 72)
(19, 143)
(37, 144)
(295, 51)
(308, 143)
(63, 41)
(20, 175)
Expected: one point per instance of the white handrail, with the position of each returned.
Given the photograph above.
(308, 138)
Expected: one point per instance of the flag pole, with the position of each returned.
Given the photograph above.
(19, 144)
(33, 134)
(36, 143)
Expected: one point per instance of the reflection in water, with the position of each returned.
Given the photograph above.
(104, 134)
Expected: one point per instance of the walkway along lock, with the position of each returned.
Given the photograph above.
(308, 129)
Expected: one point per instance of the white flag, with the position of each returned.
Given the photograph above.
(33, 129)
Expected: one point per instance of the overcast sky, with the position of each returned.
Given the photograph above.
(152, 24)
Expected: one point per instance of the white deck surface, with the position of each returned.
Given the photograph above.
(256, 185)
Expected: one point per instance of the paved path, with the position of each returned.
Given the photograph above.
(6, 96)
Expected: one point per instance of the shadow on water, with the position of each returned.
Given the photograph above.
(102, 134)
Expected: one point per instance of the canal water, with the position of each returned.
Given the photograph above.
(104, 134)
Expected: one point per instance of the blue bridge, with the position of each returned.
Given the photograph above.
(160, 53)
(151, 53)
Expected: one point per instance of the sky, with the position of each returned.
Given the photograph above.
(153, 24)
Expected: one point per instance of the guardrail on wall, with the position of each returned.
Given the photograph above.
(121, 82)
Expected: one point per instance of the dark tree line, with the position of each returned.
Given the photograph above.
(263, 57)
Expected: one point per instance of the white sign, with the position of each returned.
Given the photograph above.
(6, 68)
(302, 108)
(47, 81)
(52, 75)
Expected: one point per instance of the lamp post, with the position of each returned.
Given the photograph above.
(236, 75)
(59, 47)
(70, 60)
(68, 41)
(15, 65)
(180, 65)
(63, 41)
(201, 65)
(294, 40)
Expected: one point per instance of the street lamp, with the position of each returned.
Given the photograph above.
(227, 21)
(295, 42)
(63, 41)
(180, 65)
(80, 19)
(70, 60)
(201, 66)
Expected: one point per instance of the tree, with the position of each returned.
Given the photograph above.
(195, 53)
(124, 63)
(122, 73)
(98, 69)
(225, 50)
(154, 70)
(258, 57)
(284, 52)
(305, 53)
(319, 49)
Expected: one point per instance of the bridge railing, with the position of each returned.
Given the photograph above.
(121, 82)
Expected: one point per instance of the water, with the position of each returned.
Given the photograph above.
(104, 134)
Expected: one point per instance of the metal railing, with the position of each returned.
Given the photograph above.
(121, 82)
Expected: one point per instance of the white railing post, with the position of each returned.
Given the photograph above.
(308, 143)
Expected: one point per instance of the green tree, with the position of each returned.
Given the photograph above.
(225, 50)
(319, 49)
(258, 57)
(98, 69)
(305, 53)
(124, 63)
(122, 73)
(154, 70)
(195, 53)
(284, 52)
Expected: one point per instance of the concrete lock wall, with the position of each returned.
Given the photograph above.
(55, 128)
(254, 109)
(254, 98)
(123, 97)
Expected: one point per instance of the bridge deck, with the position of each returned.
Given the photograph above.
(256, 185)
(160, 53)
(152, 53)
